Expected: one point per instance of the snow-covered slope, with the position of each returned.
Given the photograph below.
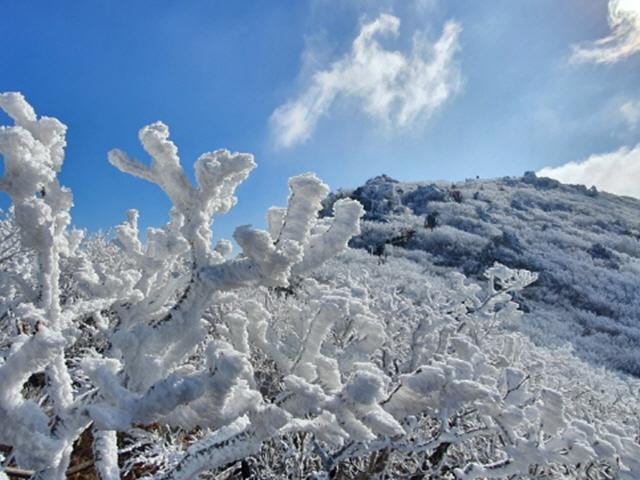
(584, 244)
(300, 357)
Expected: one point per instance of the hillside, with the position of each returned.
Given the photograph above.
(299, 357)
(584, 244)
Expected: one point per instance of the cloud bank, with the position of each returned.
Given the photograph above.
(387, 85)
(615, 172)
(624, 41)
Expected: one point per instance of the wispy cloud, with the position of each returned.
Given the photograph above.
(630, 112)
(624, 40)
(615, 172)
(395, 87)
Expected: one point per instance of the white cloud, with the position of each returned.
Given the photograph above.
(615, 172)
(624, 40)
(387, 85)
(630, 112)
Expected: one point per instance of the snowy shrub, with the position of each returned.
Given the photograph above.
(531, 223)
(297, 358)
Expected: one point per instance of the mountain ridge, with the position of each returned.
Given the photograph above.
(583, 243)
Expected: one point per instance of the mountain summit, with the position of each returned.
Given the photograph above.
(584, 244)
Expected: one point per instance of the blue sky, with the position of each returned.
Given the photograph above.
(438, 90)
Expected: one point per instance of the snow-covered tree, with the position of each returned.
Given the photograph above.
(296, 358)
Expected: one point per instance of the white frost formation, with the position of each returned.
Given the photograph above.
(284, 359)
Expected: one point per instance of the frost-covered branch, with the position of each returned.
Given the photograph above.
(297, 358)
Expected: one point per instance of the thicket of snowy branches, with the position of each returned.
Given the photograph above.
(584, 244)
(297, 358)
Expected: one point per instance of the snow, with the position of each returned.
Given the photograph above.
(303, 358)
(583, 244)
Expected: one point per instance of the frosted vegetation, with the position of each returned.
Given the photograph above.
(297, 358)
(584, 245)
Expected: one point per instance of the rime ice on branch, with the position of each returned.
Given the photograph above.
(33, 151)
(267, 257)
(152, 334)
(347, 371)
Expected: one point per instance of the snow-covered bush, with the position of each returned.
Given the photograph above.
(285, 361)
(585, 247)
